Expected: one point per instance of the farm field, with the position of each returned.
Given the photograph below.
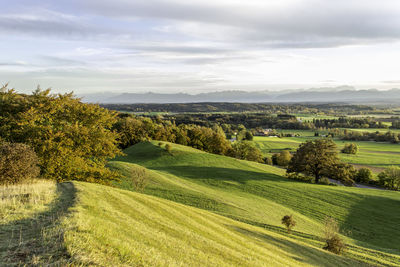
(375, 155)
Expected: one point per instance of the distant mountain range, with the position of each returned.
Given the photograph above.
(345, 94)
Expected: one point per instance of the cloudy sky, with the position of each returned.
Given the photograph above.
(199, 45)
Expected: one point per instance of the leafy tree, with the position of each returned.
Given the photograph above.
(72, 140)
(350, 149)
(246, 150)
(283, 158)
(248, 136)
(364, 175)
(343, 172)
(18, 163)
(314, 158)
(390, 177)
(289, 222)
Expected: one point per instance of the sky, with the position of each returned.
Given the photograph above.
(194, 46)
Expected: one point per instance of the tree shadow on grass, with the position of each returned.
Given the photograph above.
(374, 221)
(38, 240)
(219, 173)
(298, 251)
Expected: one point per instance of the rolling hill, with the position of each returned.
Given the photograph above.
(198, 209)
(258, 194)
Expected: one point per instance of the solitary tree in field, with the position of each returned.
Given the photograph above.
(314, 158)
(139, 178)
(168, 148)
(333, 240)
(350, 149)
(289, 222)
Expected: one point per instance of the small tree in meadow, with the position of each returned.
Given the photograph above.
(350, 149)
(168, 148)
(334, 242)
(289, 222)
(139, 179)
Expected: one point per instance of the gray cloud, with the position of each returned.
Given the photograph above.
(313, 23)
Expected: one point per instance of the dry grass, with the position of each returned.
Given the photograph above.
(30, 229)
(24, 200)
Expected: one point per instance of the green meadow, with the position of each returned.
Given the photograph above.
(375, 155)
(197, 209)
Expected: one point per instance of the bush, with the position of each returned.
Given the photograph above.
(299, 177)
(324, 181)
(364, 175)
(168, 148)
(289, 222)
(390, 178)
(18, 163)
(268, 160)
(283, 158)
(334, 243)
(350, 149)
(160, 144)
(139, 179)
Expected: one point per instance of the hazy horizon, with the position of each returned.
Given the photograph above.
(170, 46)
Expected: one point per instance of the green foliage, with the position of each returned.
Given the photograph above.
(168, 148)
(350, 149)
(334, 242)
(73, 140)
(18, 163)
(246, 150)
(314, 158)
(283, 158)
(289, 222)
(342, 172)
(248, 136)
(300, 177)
(268, 160)
(390, 178)
(364, 175)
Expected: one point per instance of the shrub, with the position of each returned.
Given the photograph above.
(168, 148)
(299, 177)
(334, 243)
(268, 160)
(139, 178)
(283, 158)
(324, 181)
(350, 149)
(390, 178)
(364, 175)
(160, 144)
(289, 222)
(18, 163)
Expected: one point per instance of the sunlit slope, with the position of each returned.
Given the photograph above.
(114, 227)
(259, 195)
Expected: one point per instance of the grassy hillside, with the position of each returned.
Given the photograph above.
(95, 225)
(257, 194)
